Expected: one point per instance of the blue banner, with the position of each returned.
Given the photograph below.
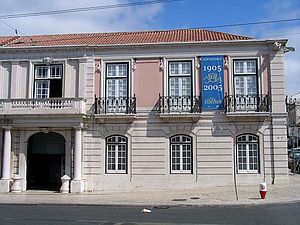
(212, 71)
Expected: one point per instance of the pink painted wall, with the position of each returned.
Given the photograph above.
(97, 77)
(147, 82)
(265, 74)
(226, 81)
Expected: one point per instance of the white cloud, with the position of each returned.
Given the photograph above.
(117, 19)
(278, 9)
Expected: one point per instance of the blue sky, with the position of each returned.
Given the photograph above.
(182, 14)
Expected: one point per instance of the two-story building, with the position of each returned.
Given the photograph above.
(142, 110)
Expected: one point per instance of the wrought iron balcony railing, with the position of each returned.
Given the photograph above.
(42, 106)
(179, 104)
(115, 105)
(247, 103)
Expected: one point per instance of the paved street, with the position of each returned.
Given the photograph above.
(131, 215)
(218, 195)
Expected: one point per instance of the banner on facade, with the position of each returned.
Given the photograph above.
(212, 71)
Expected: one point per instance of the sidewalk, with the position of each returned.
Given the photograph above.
(249, 194)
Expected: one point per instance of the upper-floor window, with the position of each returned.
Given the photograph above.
(180, 78)
(179, 97)
(117, 80)
(247, 153)
(181, 154)
(245, 77)
(48, 81)
(116, 154)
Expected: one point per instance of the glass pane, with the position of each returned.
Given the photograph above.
(42, 89)
(186, 157)
(186, 86)
(175, 157)
(174, 86)
(117, 88)
(174, 68)
(111, 70)
(122, 70)
(251, 85)
(122, 157)
(186, 68)
(239, 85)
(122, 88)
(251, 66)
(242, 160)
(111, 88)
(117, 70)
(55, 71)
(245, 67)
(238, 67)
(41, 72)
(111, 157)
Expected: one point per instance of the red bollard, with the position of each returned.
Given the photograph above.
(263, 190)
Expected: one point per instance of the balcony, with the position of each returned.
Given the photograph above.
(247, 105)
(46, 106)
(115, 108)
(179, 106)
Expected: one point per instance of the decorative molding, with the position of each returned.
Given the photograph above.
(161, 64)
(280, 47)
(133, 64)
(45, 130)
(98, 67)
(226, 62)
(47, 60)
(6, 121)
(197, 62)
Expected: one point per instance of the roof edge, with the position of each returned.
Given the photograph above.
(249, 41)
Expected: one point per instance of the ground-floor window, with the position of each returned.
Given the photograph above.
(116, 154)
(247, 153)
(181, 154)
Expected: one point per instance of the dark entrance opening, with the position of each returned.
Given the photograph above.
(45, 161)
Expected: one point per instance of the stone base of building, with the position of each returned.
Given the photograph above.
(77, 186)
(5, 185)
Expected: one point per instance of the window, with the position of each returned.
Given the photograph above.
(245, 84)
(245, 77)
(180, 74)
(116, 154)
(116, 80)
(48, 81)
(181, 154)
(116, 87)
(247, 154)
(180, 86)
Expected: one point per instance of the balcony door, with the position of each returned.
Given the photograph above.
(180, 86)
(48, 81)
(116, 86)
(245, 84)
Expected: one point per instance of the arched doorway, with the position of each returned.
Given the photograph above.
(45, 161)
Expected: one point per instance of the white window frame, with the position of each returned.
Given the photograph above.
(181, 144)
(117, 154)
(180, 58)
(245, 74)
(47, 77)
(180, 76)
(247, 143)
(116, 78)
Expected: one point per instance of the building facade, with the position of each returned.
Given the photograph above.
(142, 110)
(293, 109)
